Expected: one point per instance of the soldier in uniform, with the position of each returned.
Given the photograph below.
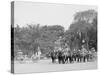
(78, 56)
(61, 57)
(74, 55)
(68, 56)
(84, 53)
(53, 56)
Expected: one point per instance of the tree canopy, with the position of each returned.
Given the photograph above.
(83, 31)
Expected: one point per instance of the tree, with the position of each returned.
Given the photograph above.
(29, 38)
(85, 15)
(49, 35)
(84, 28)
(25, 38)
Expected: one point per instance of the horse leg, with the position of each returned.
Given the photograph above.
(63, 60)
(78, 59)
(53, 60)
(70, 59)
(84, 58)
(59, 60)
(81, 58)
(74, 58)
(66, 59)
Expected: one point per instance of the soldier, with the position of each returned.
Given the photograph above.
(89, 55)
(93, 54)
(53, 57)
(66, 55)
(78, 56)
(74, 55)
(70, 56)
(61, 57)
(84, 53)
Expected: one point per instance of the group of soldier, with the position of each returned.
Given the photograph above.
(71, 56)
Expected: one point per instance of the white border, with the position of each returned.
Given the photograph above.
(5, 36)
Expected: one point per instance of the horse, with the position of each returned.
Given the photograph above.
(53, 56)
(61, 57)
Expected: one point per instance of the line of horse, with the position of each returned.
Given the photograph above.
(70, 57)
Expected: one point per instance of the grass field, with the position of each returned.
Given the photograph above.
(47, 66)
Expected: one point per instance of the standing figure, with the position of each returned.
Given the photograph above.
(84, 54)
(53, 56)
(78, 56)
(61, 57)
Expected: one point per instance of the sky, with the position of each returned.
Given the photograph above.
(46, 13)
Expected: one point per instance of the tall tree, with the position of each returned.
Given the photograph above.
(84, 27)
(85, 15)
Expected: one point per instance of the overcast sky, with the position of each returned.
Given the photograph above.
(46, 13)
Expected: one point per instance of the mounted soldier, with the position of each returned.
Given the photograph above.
(53, 56)
(68, 55)
(78, 55)
(84, 54)
(61, 57)
(74, 56)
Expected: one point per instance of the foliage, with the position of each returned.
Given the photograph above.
(29, 38)
(84, 28)
(83, 31)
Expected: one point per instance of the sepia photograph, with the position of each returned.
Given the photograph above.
(50, 37)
